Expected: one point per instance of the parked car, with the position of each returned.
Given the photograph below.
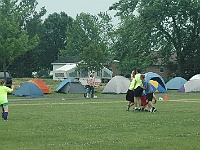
(8, 78)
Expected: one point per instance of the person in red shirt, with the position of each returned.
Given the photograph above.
(90, 82)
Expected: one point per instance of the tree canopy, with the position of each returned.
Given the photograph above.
(166, 27)
(148, 30)
(14, 37)
(88, 39)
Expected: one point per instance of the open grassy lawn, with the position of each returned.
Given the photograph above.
(70, 122)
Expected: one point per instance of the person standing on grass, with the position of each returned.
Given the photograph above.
(137, 90)
(130, 92)
(154, 97)
(3, 98)
(90, 82)
(149, 93)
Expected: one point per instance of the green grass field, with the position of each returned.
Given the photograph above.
(70, 122)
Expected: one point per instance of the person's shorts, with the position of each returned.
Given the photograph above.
(143, 100)
(138, 91)
(130, 95)
(149, 96)
(4, 104)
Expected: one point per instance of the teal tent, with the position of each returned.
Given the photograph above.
(175, 83)
(70, 85)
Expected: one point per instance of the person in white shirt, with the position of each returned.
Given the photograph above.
(90, 82)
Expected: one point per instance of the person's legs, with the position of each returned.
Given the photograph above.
(154, 97)
(2, 110)
(137, 103)
(137, 93)
(152, 108)
(88, 91)
(92, 88)
(130, 99)
(143, 102)
(128, 105)
(150, 104)
(5, 116)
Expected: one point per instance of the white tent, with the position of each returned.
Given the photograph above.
(117, 85)
(195, 77)
(191, 86)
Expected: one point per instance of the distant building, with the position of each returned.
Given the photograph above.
(67, 67)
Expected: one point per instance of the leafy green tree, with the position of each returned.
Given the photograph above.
(76, 40)
(128, 50)
(53, 37)
(170, 27)
(88, 36)
(14, 38)
(94, 60)
(106, 34)
(30, 59)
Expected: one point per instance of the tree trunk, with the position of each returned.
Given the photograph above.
(4, 70)
(180, 61)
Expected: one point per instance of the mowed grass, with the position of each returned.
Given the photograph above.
(70, 122)
(101, 124)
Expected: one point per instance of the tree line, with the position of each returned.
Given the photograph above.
(148, 30)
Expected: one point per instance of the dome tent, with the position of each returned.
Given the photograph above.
(195, 77)
(117, 85)
(175, 83)
(191, 86)
(42, 85)
(71, 85)
(159, 86)
(28, 89)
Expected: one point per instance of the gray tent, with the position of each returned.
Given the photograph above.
(70, 85)
(117, 85)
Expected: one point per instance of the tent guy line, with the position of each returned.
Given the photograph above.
(85, 103)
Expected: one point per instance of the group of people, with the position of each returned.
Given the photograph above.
(140, 93)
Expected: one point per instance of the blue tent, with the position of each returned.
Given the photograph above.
(71, 85)
(160, 87)
(28, 89)
(175, 83)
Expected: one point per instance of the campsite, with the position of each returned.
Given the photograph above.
(48, 53)
(69, 121)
